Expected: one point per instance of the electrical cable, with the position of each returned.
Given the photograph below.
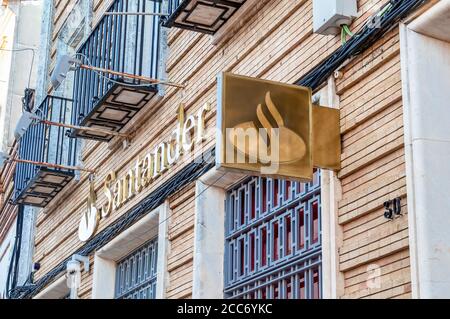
(347, 30)
(19, 246)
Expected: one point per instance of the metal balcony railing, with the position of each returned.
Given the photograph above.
(123, 43)
(205, 16)
(36, 185)
(173, 5)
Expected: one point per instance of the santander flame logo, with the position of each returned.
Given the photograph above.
(290, 146)
(90, 218)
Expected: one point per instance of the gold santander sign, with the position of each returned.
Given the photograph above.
(189, 131)
(272, 129)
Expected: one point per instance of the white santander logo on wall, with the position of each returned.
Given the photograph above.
(188, 132)
(89, 220)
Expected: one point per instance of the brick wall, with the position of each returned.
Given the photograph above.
(276, 43)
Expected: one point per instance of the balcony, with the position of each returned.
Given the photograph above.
(205, 16)
(37, 185)
(122, 43)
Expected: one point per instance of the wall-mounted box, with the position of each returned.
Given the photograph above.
(329, 15)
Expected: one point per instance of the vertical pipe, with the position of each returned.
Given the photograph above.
(60, 147)
(84, 84)
(136, 39)
(75, 97)
(108, 49)
(120, 39)
(48, 131)
(142, 32)
(92, 77)
(102, 56)
(125, 27)
(115, 38)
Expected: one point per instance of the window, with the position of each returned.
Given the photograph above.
(136, 274)
(273, 240)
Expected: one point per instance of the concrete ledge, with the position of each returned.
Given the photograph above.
(434, 22)
(57, 290)
(221, 179)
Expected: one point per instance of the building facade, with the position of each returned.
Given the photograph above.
(157, 219)
(20, 23)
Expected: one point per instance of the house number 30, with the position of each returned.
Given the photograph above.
(393, 208)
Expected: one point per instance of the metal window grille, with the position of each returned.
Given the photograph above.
(136, 274)
(273, 240)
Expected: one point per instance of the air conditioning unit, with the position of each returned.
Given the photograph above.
(329, 15)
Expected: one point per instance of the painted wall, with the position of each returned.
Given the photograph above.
(426, 66)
